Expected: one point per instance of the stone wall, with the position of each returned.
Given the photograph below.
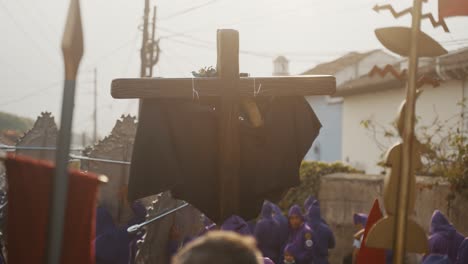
(341, 195)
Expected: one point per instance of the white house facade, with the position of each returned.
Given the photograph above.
(378, 99)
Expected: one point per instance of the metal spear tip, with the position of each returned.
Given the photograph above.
(72, 41)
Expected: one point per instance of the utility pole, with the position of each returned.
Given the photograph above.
(149, 47)
(154, 46)
(95, 106)
(143, 51)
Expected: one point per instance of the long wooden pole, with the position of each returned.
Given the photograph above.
(229, 147)
(72, 48)
(408, 140)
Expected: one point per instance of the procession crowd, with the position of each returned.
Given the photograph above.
(301, 237)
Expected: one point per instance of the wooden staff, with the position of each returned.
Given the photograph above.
(408, 140)
(72, 49)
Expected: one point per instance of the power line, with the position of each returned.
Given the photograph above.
(22, 29)
(210, 45)
(190, 9)
(29, 95)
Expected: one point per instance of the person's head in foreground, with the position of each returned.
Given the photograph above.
(220, 247)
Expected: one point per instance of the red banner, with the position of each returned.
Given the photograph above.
(450, 8)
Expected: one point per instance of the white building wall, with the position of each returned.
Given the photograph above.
(379, 58)
(364, 66)
(359, 148)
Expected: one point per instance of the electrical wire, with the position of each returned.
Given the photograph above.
(188, 10)
(29, 95)
(26, 33)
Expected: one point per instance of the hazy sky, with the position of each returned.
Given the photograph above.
(306, 31)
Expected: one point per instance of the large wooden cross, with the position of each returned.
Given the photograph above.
(231, 88)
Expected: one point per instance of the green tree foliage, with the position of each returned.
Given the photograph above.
(14, 122)
(444, 147)
(310, 174)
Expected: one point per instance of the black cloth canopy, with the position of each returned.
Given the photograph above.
(176, 148)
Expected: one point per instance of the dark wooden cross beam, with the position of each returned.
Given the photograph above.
(231, 88)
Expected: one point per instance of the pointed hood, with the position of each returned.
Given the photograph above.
(267, 211)
(309, 201)
(368, 255)
(236, 224)
(313, 214)
(360, 218)
(439, 223)
(295, 210)
(444, 238)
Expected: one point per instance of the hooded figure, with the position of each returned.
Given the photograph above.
(463, 252)
(301, 239)
(112, 243)
(309, 201)
(236, 224)
(282, 220)
(360, 219)
(443, 237)
(267, 233)
(323, 234)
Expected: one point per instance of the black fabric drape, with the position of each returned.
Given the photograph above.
(176, 148)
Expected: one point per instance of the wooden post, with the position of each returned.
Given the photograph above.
(229, 145)
(403, 199)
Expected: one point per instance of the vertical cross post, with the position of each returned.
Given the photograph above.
(408, 140)
(229, 146)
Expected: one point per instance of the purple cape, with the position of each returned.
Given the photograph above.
(112, 243)
(323, 235)
(444, 238)
(282, 220)
(437, 259)
(236, 224)
(463, 252)
(267, 233)
(300, 244)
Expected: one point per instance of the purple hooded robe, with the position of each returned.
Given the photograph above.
(462, 257)
(323, 235)
(112, 243)
(360, 218)
(301, 240)
(282, 220)
(236, 224)
(443, 237)
(267, 233)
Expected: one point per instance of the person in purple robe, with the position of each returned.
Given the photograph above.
(236, 224)
(360, 220)
(301, 239)
(324, 238)
(309, 201)
(111, 243)
(267, 233)
(462, 257)
(443, 237)
(283, 222)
